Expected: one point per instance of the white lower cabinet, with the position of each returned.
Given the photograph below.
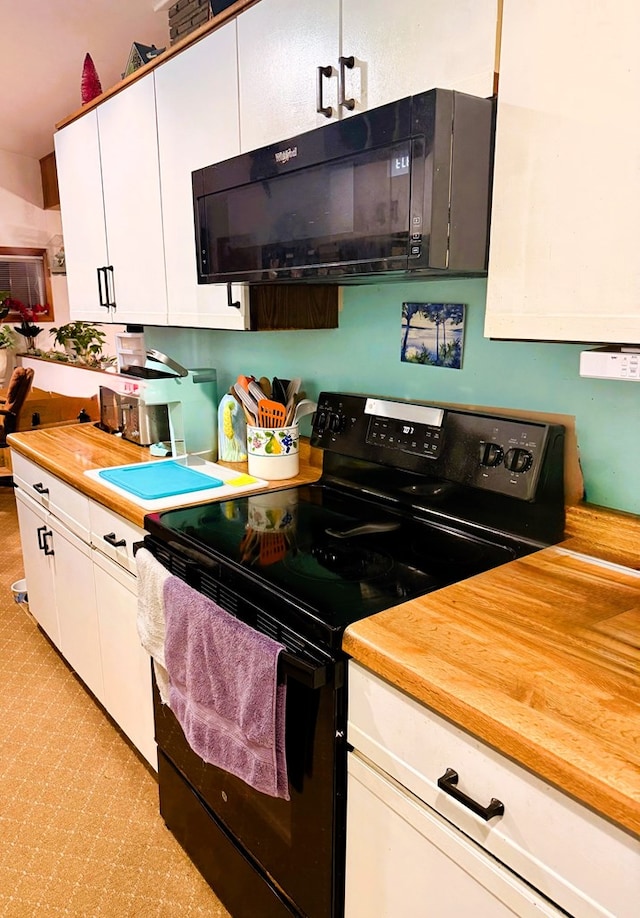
(38, 566)
(79, 564)
(76, 603)
(403, 859)
(415, 850)
(126, 668)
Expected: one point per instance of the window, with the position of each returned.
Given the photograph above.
(24, 273)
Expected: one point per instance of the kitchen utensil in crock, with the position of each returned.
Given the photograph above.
(292, 391)
(293, 387)
(306, 406)
(256, 390)
(271, 414)
(248, 403)
(293, 403)
(278, 391)
(265, 385)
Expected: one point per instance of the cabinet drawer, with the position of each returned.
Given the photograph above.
(574, 857)
(114, 536)
(65, 502)
(401, 855)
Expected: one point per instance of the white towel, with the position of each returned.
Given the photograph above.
(150, 620)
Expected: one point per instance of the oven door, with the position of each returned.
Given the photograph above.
(263, 855)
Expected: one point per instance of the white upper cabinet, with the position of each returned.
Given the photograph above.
(82, 211)
(198, 124)
(397, 50)
(133, 211)
(109, 182)
(566, 207)
(281, 45)
(414, 45)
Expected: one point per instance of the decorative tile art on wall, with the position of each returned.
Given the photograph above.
(433, 334)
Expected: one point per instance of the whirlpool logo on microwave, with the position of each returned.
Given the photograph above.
(283, 156)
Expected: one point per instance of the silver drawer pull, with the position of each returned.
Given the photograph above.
(448, 783)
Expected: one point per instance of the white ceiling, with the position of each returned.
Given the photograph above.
(43, 51)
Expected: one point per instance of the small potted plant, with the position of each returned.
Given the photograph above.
(82, 341)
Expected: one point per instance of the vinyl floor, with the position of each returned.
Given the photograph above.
(80, 831)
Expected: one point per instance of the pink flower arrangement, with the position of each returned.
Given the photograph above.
(29, 314)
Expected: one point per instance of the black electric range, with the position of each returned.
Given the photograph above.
(412, 497)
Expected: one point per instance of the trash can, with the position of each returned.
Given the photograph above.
(19, 590)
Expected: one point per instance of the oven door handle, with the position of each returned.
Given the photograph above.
(312, 675)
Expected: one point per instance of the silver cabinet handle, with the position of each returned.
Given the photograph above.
(321, 108)
(345, 62)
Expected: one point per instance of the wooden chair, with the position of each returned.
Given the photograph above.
(10, 407)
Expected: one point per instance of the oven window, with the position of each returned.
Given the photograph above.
(348, 211)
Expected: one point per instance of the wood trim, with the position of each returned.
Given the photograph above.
(496, 63)
(49, 177)
(232, 11)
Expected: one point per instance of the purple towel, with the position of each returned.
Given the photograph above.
(224, 689)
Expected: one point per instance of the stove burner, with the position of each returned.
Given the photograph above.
(340, 562)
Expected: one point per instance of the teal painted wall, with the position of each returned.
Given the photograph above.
(363, 355)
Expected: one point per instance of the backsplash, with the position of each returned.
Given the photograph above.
(363, 355)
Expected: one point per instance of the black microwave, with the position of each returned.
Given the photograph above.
(403, 189)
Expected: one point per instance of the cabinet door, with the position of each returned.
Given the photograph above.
(563, 261)
(133, 212)
(404, 859)
(76, 603)
(281, 44)
(126, 666)
(415, 45)
(198, 124)
(38, 566)
(82, 211)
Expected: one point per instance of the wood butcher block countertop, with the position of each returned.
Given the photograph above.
(68, 452)
(540, 658)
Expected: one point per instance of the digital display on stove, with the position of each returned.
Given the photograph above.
(404, 426)
(394, 433)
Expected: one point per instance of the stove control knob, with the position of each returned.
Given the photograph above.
(320, 423)
(336, 422)
(491, 454)
(518, 460)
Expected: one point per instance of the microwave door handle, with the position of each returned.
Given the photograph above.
(345, 62)
(321, 108)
